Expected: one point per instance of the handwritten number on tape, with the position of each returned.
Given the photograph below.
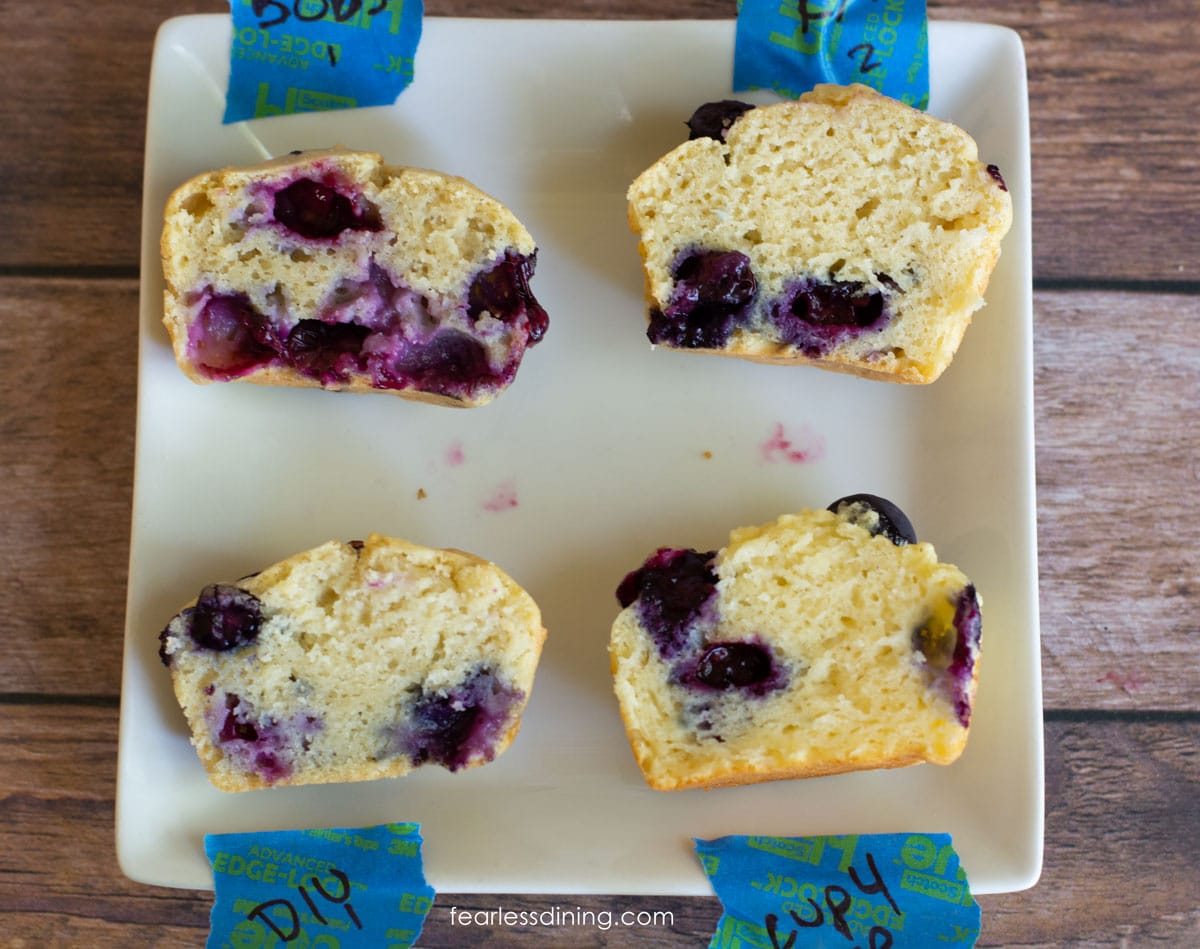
(807, 16)
(791, 892)
(866, 64)
(838, 901)
(790, 46)
(878, 886)
(262, 910)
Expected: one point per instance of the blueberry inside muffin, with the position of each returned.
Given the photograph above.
(844, 230)
(333, 269)
(826, 641)
(354, 661)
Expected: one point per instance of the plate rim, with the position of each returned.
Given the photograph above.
(1031, 868)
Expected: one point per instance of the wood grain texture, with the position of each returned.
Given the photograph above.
(1117, 384)
(1116, 465)
(1122, 824)
(1110, 86)
(1113, 88)
(66, 469)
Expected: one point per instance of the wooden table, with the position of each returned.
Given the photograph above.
(1115, 92)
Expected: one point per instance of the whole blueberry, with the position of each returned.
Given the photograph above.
(230, 337)
(670, 589)
(816, 315)
(325, 351)
(968, 628)
(876, 515)
(450, 362)
(712, 292)
(838, 303)
(444, 723)
(452, 727)
(713, 119)
(503, 291)
(715, 278)
(734, 665)
(316, 210)
(224, 617)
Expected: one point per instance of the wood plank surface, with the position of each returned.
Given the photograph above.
(1117, 452)
(66, 469)
(1110, 455)
(1114, 93)
(1122, 798)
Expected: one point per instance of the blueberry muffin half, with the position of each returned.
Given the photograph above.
(827, 641)
(333, 269)
(844, 230)
(354, 661)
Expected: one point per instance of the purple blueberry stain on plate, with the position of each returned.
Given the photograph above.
(800, 447)
(503, 498)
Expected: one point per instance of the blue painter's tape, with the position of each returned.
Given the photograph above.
(319, 55)
(790, 46)
(901, 891)
(347, 887)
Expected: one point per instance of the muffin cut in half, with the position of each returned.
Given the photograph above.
(827, 641)
(329, 268)
(844, 230)
(354, 661)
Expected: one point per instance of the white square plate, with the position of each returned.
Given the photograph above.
(603, 450)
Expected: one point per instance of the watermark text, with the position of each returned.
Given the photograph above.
(560, 916)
